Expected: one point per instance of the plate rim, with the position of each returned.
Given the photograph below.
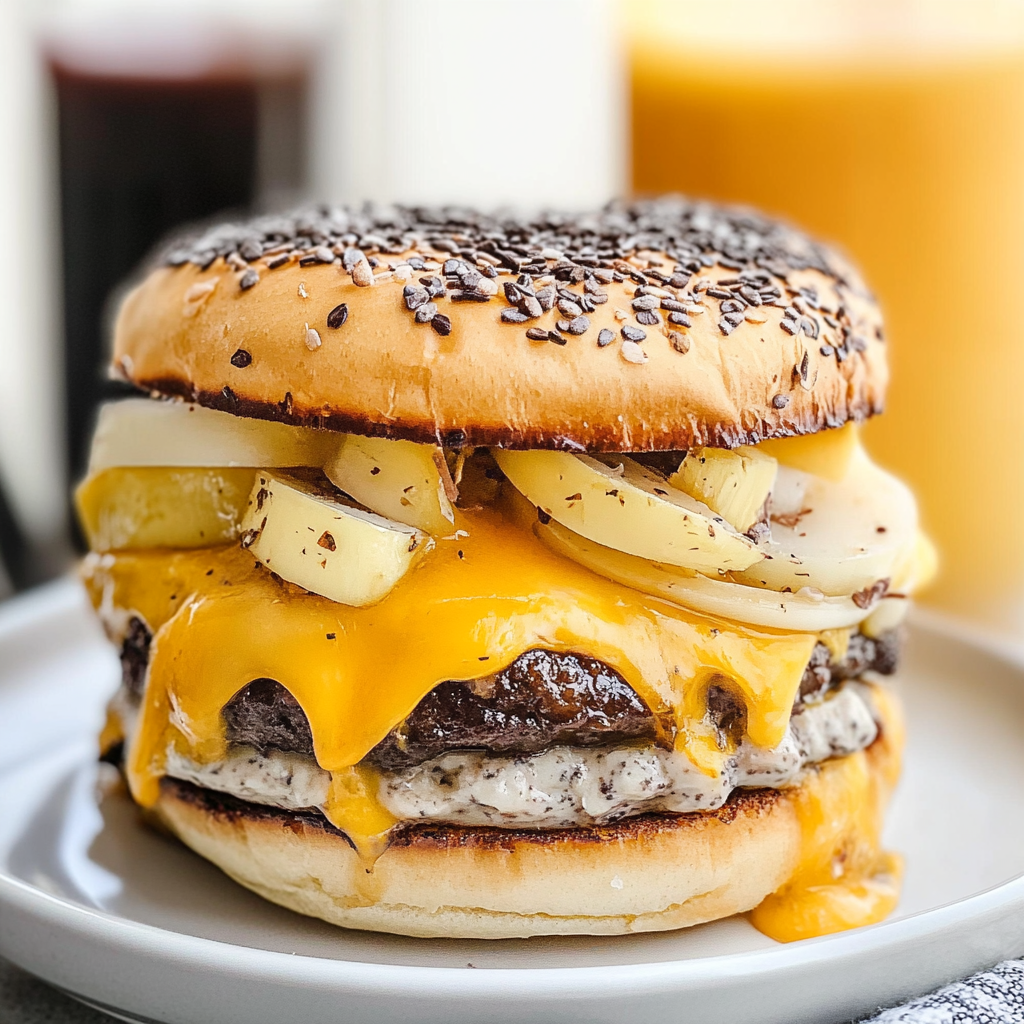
(130, 937)
(404, 979)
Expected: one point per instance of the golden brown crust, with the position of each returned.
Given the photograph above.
(486, 382)
(647, 873)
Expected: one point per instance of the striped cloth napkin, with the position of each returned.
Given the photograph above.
(995, 996)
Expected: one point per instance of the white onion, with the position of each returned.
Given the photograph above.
(852, 532)
(736, 602)
(144, 432)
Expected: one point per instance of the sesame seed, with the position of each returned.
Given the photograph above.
(350, 257)
(511, 315)
(362, 275)
(250, 249)
(241, 359)
(434, 286)
(648, 317)
(633, 334)
(546, 297)
(780, 402)
(337, 316)
(200, 291)
(605, 337)
(312, 338)
(248, 279)
(441, 324)
(530, 305)
(680, 342)
(426, 313)
(578, 325)
(537, 334)
(414, 297)
(632, 352)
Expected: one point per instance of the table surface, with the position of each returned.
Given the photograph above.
(26, 1000)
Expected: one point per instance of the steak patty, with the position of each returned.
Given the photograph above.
(543, 699)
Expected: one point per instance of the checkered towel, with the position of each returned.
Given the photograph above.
(991, 997)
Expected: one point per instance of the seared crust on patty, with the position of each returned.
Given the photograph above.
(543, 699)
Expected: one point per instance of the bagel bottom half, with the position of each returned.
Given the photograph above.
(647, 873)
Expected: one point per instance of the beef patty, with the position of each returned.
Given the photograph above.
(543, 699)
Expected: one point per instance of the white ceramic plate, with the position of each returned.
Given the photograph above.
(128, 920)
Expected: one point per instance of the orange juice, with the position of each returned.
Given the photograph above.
(897, 130)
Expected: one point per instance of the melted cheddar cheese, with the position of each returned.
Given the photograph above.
(470, 608)
(843, 878)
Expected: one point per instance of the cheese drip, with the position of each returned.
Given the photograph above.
(469, 609)
(843, 878)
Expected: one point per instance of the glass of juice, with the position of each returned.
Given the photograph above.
(895, 129)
